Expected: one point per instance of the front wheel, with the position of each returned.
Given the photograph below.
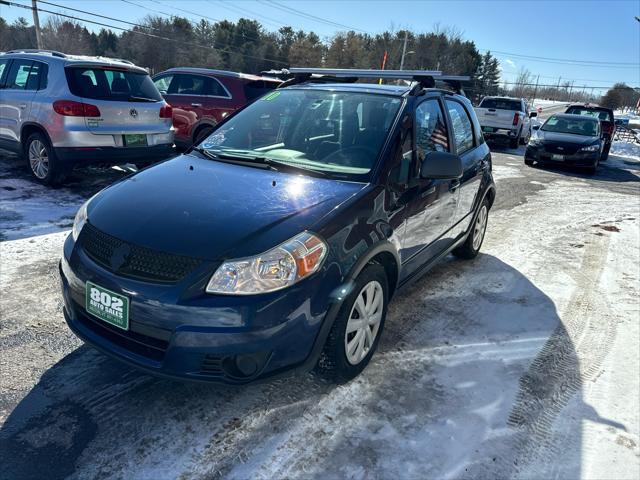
(357, 328)
(471, 246)
(514, 142)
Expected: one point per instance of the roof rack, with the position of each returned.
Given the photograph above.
(53, 53)
(423, 78)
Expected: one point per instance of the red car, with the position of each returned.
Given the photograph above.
(202, 97)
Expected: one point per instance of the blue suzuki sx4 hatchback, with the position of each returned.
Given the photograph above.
(277, 243)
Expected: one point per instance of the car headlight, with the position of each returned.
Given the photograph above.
(272, 270)
(591, 148)
(535, 141)
(79, 221)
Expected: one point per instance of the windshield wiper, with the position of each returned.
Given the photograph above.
(142, 99)
(267, 162)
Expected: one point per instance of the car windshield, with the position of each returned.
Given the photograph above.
(501, 104)
(111, 84)
(577, 126)
(590, 112)
(337, 133)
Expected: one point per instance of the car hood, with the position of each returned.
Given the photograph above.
(212, 210)
(554, 137)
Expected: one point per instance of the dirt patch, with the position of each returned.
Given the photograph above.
(608, 228)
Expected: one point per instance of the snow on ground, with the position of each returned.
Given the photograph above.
(541, 102)
(630, 119)
(523, 363)
(624, 155)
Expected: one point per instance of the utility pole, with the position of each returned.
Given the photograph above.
(36, 23)
(558, 89)
(570, 90)
(404, 49)
(535, 92)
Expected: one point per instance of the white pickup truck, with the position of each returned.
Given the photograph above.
(505, 118)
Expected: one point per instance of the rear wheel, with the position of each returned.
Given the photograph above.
(514, 142)
(528, 162)
(605, 152)
(357, 328)
(42, 160)
(470, 248)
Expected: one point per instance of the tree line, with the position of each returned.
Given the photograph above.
(158, 43)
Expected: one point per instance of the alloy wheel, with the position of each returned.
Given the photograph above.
(480, 227)
(364, 322)
(38, 159)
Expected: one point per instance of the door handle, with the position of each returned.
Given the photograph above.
(196, 104)
(453, 186)
(23, 105)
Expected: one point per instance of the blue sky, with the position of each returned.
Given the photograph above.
(597, 31)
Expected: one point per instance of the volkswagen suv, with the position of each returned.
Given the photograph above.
(278, 242)
(63, 111)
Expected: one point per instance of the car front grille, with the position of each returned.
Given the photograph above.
(212, 366)
(563, 149)
(133, 261)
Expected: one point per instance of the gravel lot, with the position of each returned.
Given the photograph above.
(523, 363)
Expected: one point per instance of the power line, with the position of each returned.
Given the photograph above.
(309, 16)
(26, 7)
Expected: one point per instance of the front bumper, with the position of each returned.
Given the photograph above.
(578, 159)
(179, 331)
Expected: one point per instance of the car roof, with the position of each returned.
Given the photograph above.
(394, 90)
(213, 71)
(65, 59)
(498, 97)
(590, 107)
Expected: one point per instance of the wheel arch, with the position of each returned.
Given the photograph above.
(29, 128)
(384, 254)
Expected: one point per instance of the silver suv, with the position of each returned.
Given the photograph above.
(63, 111)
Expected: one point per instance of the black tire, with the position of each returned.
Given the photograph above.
(201, 134)
(49, 171)
(523, 140)
(467, 250)
(528, 162)
(514, 142)
(605, 152)
(333, 363)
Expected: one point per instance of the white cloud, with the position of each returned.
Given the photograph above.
(510, 62)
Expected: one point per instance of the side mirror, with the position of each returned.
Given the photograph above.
(441, 165)
(536, 127)
(533, 114)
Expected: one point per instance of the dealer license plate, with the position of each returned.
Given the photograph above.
(559, 158)
(108, 306)
(135, 140)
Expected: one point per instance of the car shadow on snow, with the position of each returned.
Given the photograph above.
(474, 368)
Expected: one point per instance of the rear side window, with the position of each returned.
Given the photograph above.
(162, 83)
(461, 124)
(502, 104)
(3, 70)
(257, 88)
(184, 84)
(431, 129)
(603, 115)
(37, 76)
(111, 84)
(18, 75)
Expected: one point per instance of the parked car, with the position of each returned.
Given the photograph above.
(605, 115)
(278, 242)
(63, 111)
(201, 98)
(567, 139)
(505, 118)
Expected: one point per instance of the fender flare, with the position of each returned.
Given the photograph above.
(384, 246)
(26, 125)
